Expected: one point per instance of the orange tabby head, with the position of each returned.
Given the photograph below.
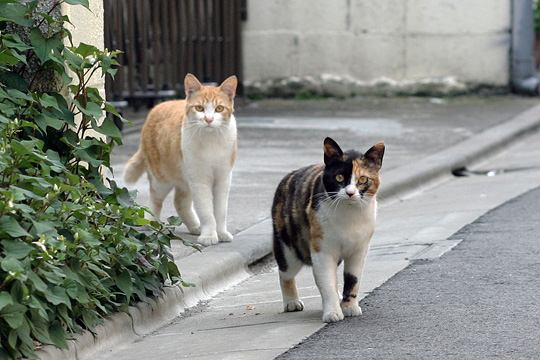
(209, 106)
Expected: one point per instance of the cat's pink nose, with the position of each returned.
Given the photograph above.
(350, 190)
(209, 120)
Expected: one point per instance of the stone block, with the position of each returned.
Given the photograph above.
(458, 17)
(478, 59)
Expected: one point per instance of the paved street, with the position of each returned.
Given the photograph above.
(246, 321)
(479, 301)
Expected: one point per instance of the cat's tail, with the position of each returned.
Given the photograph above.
(135, 167)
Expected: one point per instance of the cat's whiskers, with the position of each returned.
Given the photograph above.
(332, 203)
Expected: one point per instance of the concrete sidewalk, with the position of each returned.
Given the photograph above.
(416, 131)
(247, 322)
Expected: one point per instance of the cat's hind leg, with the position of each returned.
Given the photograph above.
(158, 192)
(289, 266)
(184, 207)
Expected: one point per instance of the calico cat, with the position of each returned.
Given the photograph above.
(323, 214)
(190, 146)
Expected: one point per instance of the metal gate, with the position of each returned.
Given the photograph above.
(162, 40)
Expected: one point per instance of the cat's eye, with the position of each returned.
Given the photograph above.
(199, 108)
(219, 108)
(339, 178)
(362, 179)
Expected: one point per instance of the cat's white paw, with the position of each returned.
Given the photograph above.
(351, 309)
(332, 316)
(225, 236)
(293, 305)
(208, 240)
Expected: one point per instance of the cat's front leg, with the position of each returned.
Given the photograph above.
(221, 199)
(352, 273)
(324, 271)
(201, 191)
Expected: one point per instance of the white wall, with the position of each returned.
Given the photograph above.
(369, 39)
(87, 28)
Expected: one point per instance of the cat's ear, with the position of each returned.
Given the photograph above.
(332, 151)
(191, 84)
(375, 155)
(228, 86)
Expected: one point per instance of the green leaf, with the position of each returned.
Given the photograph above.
(174, 220)
(88, 238)
(85, 49)
(13, 314)
(124, 198)
(40, 330)
(36, 280)
(79, 2)
(86, 156)
(11, 227)
(7, 58)
(13, 80)
(173, 269)
(19, 94)
(15, 13)
(58, 335)
(37, 305)
(44, 47)
(13, 41)
(72, 289)
(92, 109)
(123, 281)
(57, 295)
(109, 128)
(16, 248)
(49, 101)
(5, 299)
(42, 121)
(12, 265)
(73, 60)
(19, 57)
(43, 227)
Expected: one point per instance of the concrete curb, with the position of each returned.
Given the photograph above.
(222, 266)
(472, 150)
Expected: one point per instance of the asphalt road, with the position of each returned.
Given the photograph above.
(481, 300)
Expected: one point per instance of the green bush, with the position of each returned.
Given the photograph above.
(73, 246)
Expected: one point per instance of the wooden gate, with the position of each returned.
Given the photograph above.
(162, 40)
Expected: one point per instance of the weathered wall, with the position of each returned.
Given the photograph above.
(88, 28)
(404, 40)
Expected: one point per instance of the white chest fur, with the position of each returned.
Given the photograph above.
(206, 147)
(347, 227)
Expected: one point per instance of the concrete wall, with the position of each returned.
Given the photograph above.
(402, 40)
(88, 28)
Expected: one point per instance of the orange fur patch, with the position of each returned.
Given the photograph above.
(315, 231)
(361, 169)
(233, 154)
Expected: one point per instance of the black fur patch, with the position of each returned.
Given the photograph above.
(280, 256)
(349, 281)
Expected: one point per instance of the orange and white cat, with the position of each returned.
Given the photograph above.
(190, 146)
